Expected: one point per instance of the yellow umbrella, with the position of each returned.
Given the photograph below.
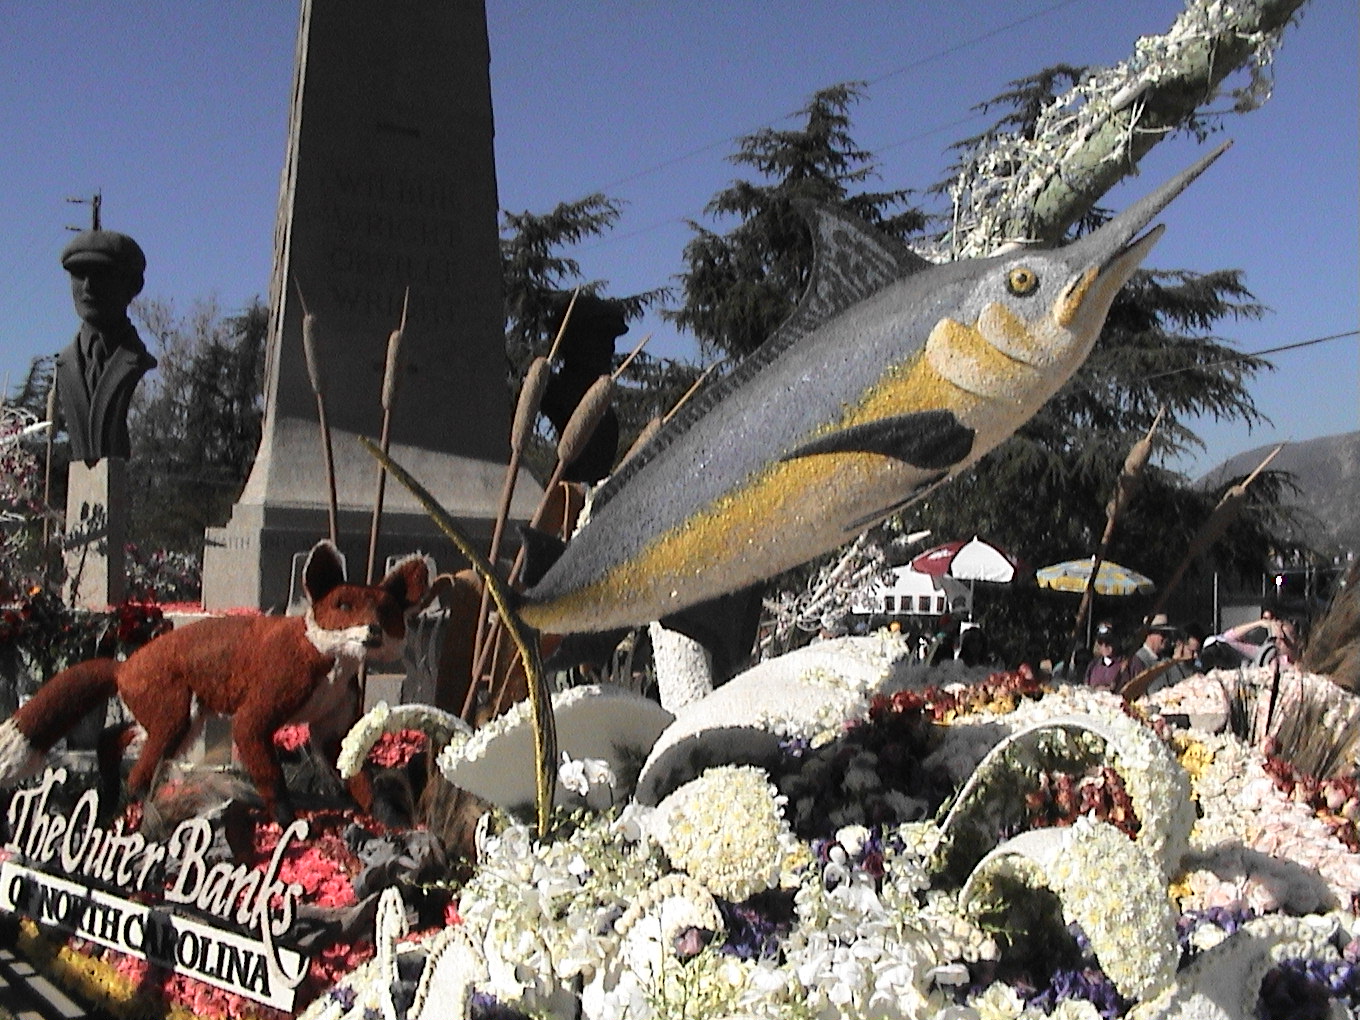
(1111, 579)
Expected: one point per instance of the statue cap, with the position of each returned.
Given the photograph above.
(104, 247)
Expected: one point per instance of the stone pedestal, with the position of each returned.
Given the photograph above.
(388, 187)
(96, 532)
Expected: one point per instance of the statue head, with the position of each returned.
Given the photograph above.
(595, 323)
(107, 271)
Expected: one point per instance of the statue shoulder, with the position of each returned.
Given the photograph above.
(69, 354)
(130, 340)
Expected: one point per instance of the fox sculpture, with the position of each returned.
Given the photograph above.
(261, 671)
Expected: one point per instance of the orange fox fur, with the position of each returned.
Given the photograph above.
(261, 671)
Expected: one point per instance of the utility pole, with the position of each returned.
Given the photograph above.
(95, 202)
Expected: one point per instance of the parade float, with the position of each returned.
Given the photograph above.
(839, 832)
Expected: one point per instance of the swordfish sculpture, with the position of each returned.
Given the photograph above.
(892, 375)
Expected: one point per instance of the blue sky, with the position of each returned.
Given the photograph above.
(176, 112)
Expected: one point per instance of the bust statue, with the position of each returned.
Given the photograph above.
(98, 372)
(587, 352)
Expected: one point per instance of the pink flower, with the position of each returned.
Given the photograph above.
(293, 736)
(395, 750)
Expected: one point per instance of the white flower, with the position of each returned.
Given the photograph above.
(725, 829)
(999, 1002)
(599, 773)
(852, 838)
(572, 775)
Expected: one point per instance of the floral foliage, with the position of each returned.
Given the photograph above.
(163, 575)
(1158, 864)
(23, 557)
(40, 636)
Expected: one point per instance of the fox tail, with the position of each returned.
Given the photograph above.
(27, 736)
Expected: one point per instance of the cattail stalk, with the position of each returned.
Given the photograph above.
(1229, 506)
(526, 413)
(1130, 477)
(540, 697)
(531, 396)
(319, 391)
(389, 399)
(579, 428)
(623, 365)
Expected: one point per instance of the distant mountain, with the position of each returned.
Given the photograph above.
(1327, 470)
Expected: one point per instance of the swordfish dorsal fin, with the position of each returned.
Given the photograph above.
(850, 261)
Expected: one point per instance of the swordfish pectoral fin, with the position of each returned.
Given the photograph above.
(930, 440)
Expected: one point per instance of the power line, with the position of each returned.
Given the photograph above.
(950, 50)
(1256, 354)
(895, 72)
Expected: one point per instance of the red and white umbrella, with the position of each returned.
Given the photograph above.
(973, 560)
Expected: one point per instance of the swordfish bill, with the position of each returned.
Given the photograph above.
(892, 375)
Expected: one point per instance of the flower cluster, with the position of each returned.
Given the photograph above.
(1335, 801)
(545, 911)
(998, 694)
(1062, 798)
(1130, 924)
(402, 732)
(41, 635)
(1158, 787)
(163, 575)
(817, 889)
(726, 830)
(396, 750)
(1256, 844)
(863, 946)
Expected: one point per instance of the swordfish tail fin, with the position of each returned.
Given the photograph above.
(27, 736)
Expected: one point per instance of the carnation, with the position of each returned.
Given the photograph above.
(726, 829)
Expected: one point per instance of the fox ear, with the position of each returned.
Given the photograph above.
(323, 571)
(408, 581)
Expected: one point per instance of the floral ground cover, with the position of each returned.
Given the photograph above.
(918, 843)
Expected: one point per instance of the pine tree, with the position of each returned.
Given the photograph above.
(538, 281)
(537, 274)
(739, 286)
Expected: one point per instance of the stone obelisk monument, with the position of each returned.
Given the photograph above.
(388, 184)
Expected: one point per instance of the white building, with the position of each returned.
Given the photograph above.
(915, 594)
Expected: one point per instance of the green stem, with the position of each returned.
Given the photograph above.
(540, 700)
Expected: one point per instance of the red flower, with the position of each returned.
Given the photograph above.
(395, 750)
(292, 737)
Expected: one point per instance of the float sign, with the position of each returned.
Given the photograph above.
(255, 967)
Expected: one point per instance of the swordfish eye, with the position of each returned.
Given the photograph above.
(1022, 280)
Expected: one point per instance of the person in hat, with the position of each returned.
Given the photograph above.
(1186, 654)
(1104, 671)
(97, 373)
(1157, 637)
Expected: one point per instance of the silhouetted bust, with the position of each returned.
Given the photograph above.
(587, 352)
(97, 373)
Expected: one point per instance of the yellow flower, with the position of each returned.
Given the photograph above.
(1195, 758)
